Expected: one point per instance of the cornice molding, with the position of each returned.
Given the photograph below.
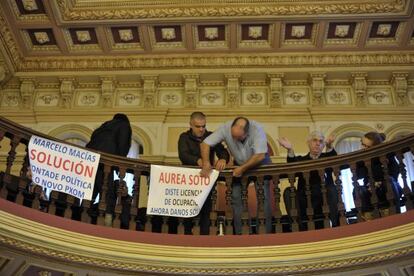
(213, 61)
(106, 10)
(117, 255)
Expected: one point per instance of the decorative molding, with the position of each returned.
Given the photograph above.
(217, 61)
(141, 10)
(120, 256)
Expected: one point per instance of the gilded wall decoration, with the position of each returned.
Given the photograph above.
(128, 99)
(211, 96)
(170, 98)
(86, 99)
(296, 96)
(254, 96)
(10, 100)
(338, 95)
(379, 95)
(47, 100)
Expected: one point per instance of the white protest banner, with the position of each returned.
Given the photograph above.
(178, 192)
(62, 167)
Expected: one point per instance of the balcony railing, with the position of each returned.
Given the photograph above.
(14, 187)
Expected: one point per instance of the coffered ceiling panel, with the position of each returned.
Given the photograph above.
(126, 31)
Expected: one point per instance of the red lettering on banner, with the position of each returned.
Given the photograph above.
(172, 178)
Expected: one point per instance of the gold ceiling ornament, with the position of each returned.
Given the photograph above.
(54, 244)
(71, 11)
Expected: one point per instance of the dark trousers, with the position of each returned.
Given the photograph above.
(317, 203)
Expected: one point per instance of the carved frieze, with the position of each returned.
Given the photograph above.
(217, 61)
(128, 98)
(379, 95)
(170, 98)
(10, 100)
(296, 95)
(338, 95)
(88, 100)
(212, 96)
(47, 100)
(222, 11)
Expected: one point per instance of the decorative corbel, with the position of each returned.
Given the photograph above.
(359, 84)
(108, 84)
(233, 89)
(275, 89)
(150, 86)
(27, 90)
(67, 89)
(317, 81)
(191, 89)
(400, 84)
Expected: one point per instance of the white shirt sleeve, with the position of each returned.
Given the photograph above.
(216, 137)
(260, 140)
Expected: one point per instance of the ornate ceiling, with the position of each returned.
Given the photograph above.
(78, 37)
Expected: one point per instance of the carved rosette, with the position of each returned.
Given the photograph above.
(400, 84)
(66, 92)
(233, 90)
(360, 87)
(27, 90)
(318, 88)
(150, 89)
(275, 89)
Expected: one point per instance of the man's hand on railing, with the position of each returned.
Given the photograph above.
(205, 170)
(220, 164)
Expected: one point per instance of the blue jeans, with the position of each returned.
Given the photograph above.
(237, 205)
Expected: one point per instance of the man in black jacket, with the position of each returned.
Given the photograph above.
(316, 143)
(189, 154)
(112, 137)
